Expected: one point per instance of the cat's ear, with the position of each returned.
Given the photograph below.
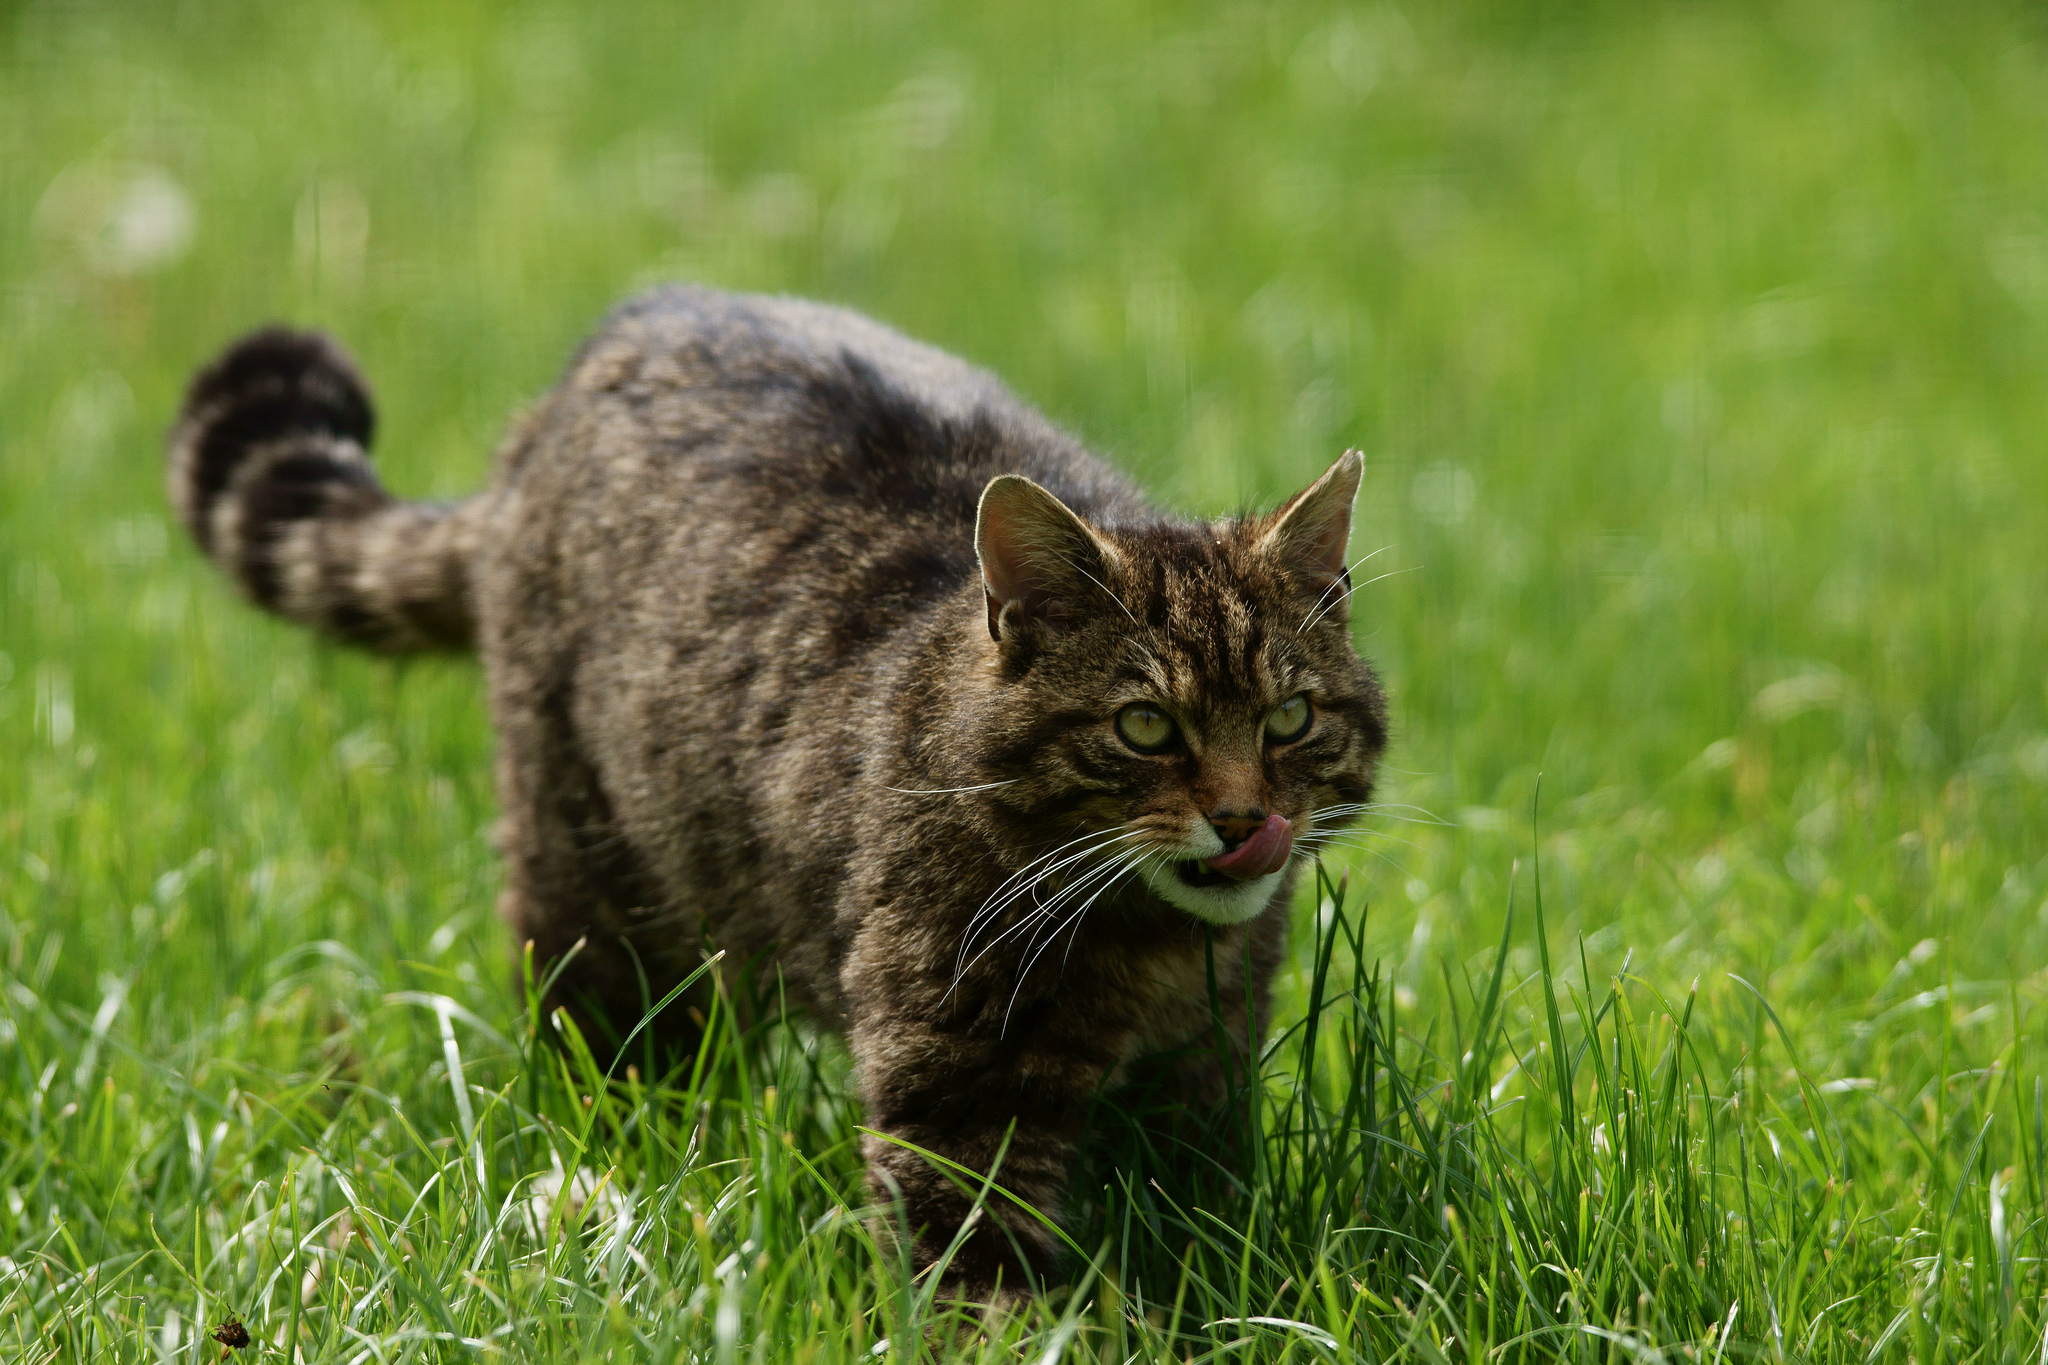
(1311, 534)
(1038, 560)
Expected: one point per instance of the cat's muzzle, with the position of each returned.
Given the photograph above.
(1265, 851)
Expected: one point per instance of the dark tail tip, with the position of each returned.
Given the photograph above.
(271, 384)
(304, 379)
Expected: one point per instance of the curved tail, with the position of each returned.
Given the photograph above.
(269, 470)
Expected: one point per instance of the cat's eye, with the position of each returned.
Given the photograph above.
(1289, 720)
(1145, 727)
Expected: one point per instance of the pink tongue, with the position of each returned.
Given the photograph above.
(1266, 851)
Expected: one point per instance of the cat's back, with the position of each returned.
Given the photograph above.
(771, 406)
(698, 339)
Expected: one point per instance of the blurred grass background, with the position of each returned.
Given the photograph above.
(1696, 350)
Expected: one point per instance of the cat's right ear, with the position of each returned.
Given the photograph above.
(1310, 533)
(1037, 558)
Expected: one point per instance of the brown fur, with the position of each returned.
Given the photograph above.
(761, 681)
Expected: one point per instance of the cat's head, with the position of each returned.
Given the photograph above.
(1179, 703)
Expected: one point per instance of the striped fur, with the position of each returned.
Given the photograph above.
(807, 641)
(270, 471)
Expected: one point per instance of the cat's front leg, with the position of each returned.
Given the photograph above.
(946, 1110)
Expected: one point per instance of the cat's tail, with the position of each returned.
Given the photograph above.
(270, 471)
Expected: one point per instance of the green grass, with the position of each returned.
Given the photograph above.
(1698, 354)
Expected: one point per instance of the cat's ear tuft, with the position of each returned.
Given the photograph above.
(1038, 560)
(1311, 534)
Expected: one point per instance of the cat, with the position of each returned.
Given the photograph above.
(813, 643)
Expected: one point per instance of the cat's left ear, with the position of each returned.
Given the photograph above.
(1039, 562)
(1311, 534)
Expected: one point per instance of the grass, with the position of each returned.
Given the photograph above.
(1696, 352)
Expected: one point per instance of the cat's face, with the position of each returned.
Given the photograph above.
(1180, 704)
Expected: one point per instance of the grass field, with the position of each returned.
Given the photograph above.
(1700, 357)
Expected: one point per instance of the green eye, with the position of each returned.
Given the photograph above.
(1289, 720)
(1145, 727)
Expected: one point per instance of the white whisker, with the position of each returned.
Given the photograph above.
(1043, 909)
(1121, 865)
(1006, 895)
(948, 791)
(1355, 840)
(1025, 874)
(1342, 812)
(1135, 864)
(1366, 584)
(1339, 581)
(1024, 879)
(1318, 837)
(1102, 585)
(1103, 874)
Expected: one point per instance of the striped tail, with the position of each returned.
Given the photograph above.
(269, 470)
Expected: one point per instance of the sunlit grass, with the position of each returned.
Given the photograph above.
(1697, 355)
(1574, 1175)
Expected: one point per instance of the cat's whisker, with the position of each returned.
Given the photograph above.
(1384, 860)
(1136, 864)
(1042, 909)
(1099, 876)
(1105, 875)
(1026, 875)
(1105, 588)
(1356, 840)
(1025, 879)
(1122, 865)
(1332, 814)
(1320, 838)
(1375, 831)
(993, 908)
(1024, 872)
(1340, 581)
(949, 791)
(1362, 807)
(1412, 568)
(1392, 817)
(1119, 866)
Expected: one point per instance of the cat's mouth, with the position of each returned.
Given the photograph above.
(1195, 872)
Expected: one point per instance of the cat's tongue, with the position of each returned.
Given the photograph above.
(1266, 851)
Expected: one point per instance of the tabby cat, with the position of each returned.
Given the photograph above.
(816, 644)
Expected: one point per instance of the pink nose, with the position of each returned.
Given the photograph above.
(1265, 851)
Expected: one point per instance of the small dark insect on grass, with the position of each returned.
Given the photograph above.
(231, 1334)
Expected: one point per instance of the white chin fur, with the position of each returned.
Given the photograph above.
(1232, 904)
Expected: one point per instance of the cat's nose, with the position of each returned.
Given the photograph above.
(1265, 852)
(1234, 827)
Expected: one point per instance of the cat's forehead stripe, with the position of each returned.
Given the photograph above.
(1205, 639)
